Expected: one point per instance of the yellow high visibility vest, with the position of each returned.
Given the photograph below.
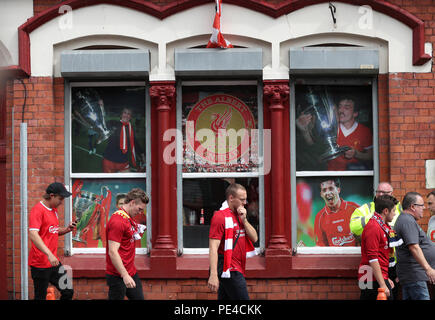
(361, 216)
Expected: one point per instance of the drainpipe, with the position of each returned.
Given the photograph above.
(23, 202)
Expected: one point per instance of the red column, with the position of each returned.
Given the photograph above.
(276, 95)
(163, 102)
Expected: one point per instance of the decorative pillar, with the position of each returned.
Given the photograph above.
(163, 100)
(276, 95)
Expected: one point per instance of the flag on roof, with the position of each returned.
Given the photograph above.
(217, 39)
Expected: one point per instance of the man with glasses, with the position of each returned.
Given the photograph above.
(416, 257)
(363, 214)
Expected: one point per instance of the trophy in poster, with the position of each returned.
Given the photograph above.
(326, 123)
(88, 109)
(83, 208)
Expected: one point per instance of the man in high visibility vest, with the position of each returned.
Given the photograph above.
(361, 216)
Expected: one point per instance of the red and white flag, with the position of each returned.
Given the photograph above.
(217, 39)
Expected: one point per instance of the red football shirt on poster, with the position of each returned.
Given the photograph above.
(332, 228)
(359, 137)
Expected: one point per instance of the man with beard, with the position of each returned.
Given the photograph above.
(331, 225)
(354, 135)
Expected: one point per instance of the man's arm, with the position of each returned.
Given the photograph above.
(418, 255)
(39, 243)
(365, 155)
(304, 123)
(119, 266)
(378, 276)
(213, 281)
(71, 227)
(250, 230)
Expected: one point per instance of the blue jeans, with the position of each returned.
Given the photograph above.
(415, 291)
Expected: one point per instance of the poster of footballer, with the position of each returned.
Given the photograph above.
(107, 129)
(324, 208)
(334, 127)
(93, 203)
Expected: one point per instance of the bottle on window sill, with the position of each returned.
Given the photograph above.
(201, 218)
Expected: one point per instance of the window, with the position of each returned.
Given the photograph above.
(334, 158)
(108, 139)
(221, 145)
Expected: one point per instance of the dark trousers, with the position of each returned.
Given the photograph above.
(118, 290)
(372, 294)
(57, 276)
(233, 288)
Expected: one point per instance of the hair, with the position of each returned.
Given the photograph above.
(432, 193)
(409, 199)
(351, 98)
(336, 181)
(385, 202)
(137, 194)
(120, 196)
(46, 196)
(232, 190)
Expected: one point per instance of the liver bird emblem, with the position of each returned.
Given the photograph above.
(220, 121)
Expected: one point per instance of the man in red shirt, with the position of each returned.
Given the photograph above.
(376, 250)
(352, 134)
(43, 233)
(121, 233)
(331, 225)
(231, 237)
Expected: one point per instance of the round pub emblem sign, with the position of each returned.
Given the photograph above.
(218, 129)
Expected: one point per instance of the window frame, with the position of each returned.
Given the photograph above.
(69, 176)
(189, 175)
(329, 80)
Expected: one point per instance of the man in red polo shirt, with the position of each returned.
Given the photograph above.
(43, 233)
(376, 249)
(331, 225)
(122, 231)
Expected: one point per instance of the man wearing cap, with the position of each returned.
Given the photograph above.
(43, 233)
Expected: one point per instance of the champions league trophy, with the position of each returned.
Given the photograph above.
(83, 208)
(89, 111)
(326, 124)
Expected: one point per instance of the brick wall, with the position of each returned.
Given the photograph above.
(412, 131)
(261, 289)
(44, 115)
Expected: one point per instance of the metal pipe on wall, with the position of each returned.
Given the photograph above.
(13, 203)
(23, 202)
